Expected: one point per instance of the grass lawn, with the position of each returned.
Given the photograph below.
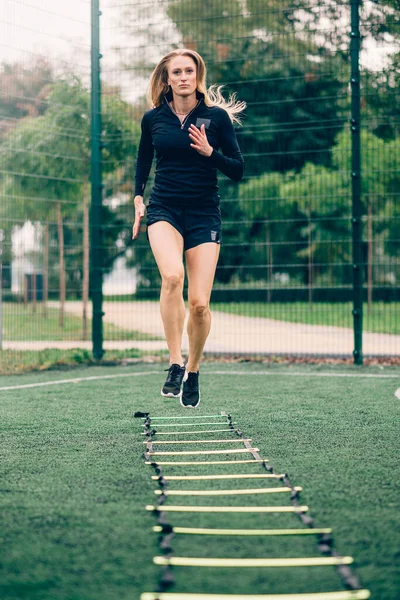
(383, 318)
(75, 484)
(17, 361)
(21, 324)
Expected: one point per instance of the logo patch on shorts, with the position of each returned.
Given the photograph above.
(214, 236)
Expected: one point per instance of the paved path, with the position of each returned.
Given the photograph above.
(230, 333)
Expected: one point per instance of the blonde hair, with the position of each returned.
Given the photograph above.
(212, 96)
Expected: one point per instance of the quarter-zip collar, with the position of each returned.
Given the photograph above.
(169, 97)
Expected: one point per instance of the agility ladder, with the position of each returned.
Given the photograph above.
(167, 532)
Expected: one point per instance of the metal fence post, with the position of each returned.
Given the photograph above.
(356, 181)
(96, 250)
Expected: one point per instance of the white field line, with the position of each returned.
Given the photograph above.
(251, 373)
(368, 375)
(76, 380)
(397, 393)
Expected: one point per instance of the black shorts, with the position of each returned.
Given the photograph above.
(197, 225)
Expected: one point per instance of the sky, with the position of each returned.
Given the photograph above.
(40, 26)
(60, 30)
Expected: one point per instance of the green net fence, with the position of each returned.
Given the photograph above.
(284, 282)
(44, 171)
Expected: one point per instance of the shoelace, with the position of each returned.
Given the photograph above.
(174, 373)
(192, 382)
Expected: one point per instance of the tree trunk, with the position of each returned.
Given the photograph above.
(46, 267)
(370, 256)
(85, 281)
(62, 264)
(25, 290)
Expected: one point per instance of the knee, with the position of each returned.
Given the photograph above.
(199, 308)
(173, 282)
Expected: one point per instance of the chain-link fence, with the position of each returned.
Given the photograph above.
(291, 278)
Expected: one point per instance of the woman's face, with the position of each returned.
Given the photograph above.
(182, 76)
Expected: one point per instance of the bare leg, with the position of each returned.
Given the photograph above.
(201, 263)
(167, 247)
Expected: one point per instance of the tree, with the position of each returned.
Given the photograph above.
(291, 64)
(263, 206)
(46, 165)
(256, 51)
(311, 211)
(289, 82)
(22, 90)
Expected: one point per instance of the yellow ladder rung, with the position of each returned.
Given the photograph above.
(186, 417)
(237, 441)
(227, 509)
(317, 561)
(210, 477)
(193, 452)
(240, 532)
(208, 462)
(239, 492)
(345, 595)
(189, 424)
(193, 432)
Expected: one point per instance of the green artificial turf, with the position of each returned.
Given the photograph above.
(20, 323)
(384, 317)
(73, 523)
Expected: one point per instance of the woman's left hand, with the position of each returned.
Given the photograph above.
(200, 141)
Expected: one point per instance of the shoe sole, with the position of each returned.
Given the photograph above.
(189, 405)
(171, 395)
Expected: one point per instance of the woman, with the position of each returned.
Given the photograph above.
(186, 128)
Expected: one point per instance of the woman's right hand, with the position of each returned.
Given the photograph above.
(139, 214)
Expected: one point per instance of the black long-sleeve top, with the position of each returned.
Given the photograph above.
(183, 177)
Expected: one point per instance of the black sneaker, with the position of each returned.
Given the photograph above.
(172, 385)
(191, 393)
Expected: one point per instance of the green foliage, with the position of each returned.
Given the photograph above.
(381, 101)
(282, 77)
(290, 84)
(22, 89)
(55, 148)
(321, 197)
(45, 161)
